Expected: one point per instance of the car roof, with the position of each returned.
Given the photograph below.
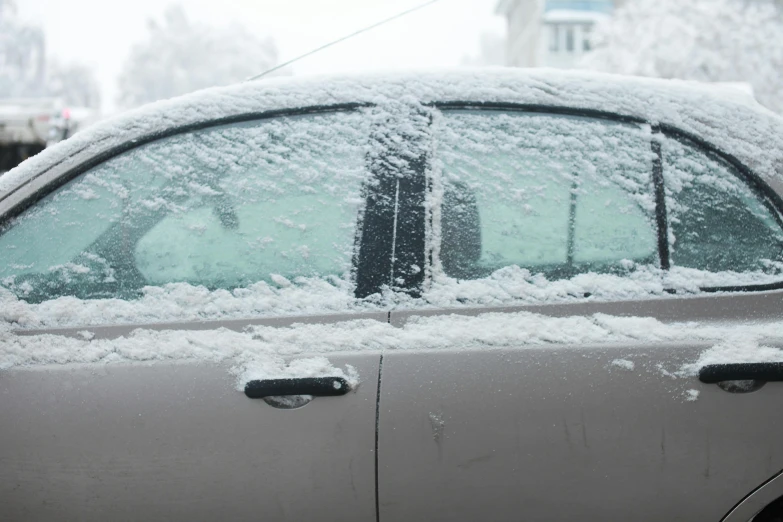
(727, 119)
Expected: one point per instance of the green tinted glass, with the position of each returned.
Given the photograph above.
(223, 207)
(558, 195)
(717, 223)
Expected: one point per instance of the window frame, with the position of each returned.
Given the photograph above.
(763, 192)
(770, 198)
(364, 263)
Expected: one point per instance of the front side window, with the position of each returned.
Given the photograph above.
(557, 195)
(717, 223)
(223, 207)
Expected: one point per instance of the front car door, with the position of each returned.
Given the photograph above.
(149, 290)
(629, 257)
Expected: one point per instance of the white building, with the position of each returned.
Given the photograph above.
(551, 33)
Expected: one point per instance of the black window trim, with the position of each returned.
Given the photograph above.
(768, 196)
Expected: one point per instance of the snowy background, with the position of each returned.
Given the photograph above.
(116, 55)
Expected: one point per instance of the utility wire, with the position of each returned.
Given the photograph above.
(344, 38)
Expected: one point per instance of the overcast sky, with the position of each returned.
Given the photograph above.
(100, 33)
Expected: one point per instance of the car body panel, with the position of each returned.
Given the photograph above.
(171, 441)
(558, 431)
(763, 496)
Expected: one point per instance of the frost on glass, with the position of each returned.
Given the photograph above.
(717, 223)
(556, 195)
(269, 200)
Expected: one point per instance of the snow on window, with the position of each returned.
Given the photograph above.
(717, 224)
(525, 208)
(222, 208)
(545, 197)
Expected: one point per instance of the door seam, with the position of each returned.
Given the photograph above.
(377, 425)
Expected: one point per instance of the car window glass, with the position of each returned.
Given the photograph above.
(717, 223)
(558, 195)
(223, 207)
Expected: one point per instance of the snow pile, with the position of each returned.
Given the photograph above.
(184, 302)
(520, 286)
(263, 351)
(625, 364)
(259, 368)
(177, 302)
(738, 347)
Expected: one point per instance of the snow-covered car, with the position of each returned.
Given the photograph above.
(459, 295)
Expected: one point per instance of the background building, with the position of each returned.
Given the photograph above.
(551, 33)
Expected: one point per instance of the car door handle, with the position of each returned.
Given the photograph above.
(316, 386)
(768, 371)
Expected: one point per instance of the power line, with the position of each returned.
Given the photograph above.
(289, 62)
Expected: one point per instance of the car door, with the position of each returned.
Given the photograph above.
(588, 269)
(176, 323)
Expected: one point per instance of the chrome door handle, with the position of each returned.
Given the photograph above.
(768, 372)
(315, 386)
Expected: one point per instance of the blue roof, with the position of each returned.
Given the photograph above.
(601, 6)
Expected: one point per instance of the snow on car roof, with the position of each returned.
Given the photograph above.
(735, 124)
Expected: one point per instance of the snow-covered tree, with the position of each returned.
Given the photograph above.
(22, 55)
(702, 40)
(180, 56)
(74, 84)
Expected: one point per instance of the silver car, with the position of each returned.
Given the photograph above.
(480, 295)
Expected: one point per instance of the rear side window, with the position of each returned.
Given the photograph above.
(717, 223)
(223, 207)
(557, 195)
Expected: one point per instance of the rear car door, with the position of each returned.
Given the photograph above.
(143, 296)
(630, 259)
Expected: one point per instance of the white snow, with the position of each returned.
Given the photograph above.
(625, 364)
(746, 130)
(738, 347)
(692, 395)
(259, 368)
(268, 351)
(184, 302)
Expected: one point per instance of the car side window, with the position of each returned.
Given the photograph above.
(557, 195)
(223, 207)
(717, 223)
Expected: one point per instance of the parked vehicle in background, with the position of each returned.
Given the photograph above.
(24, 128)
(29, 125)
(494, 295)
